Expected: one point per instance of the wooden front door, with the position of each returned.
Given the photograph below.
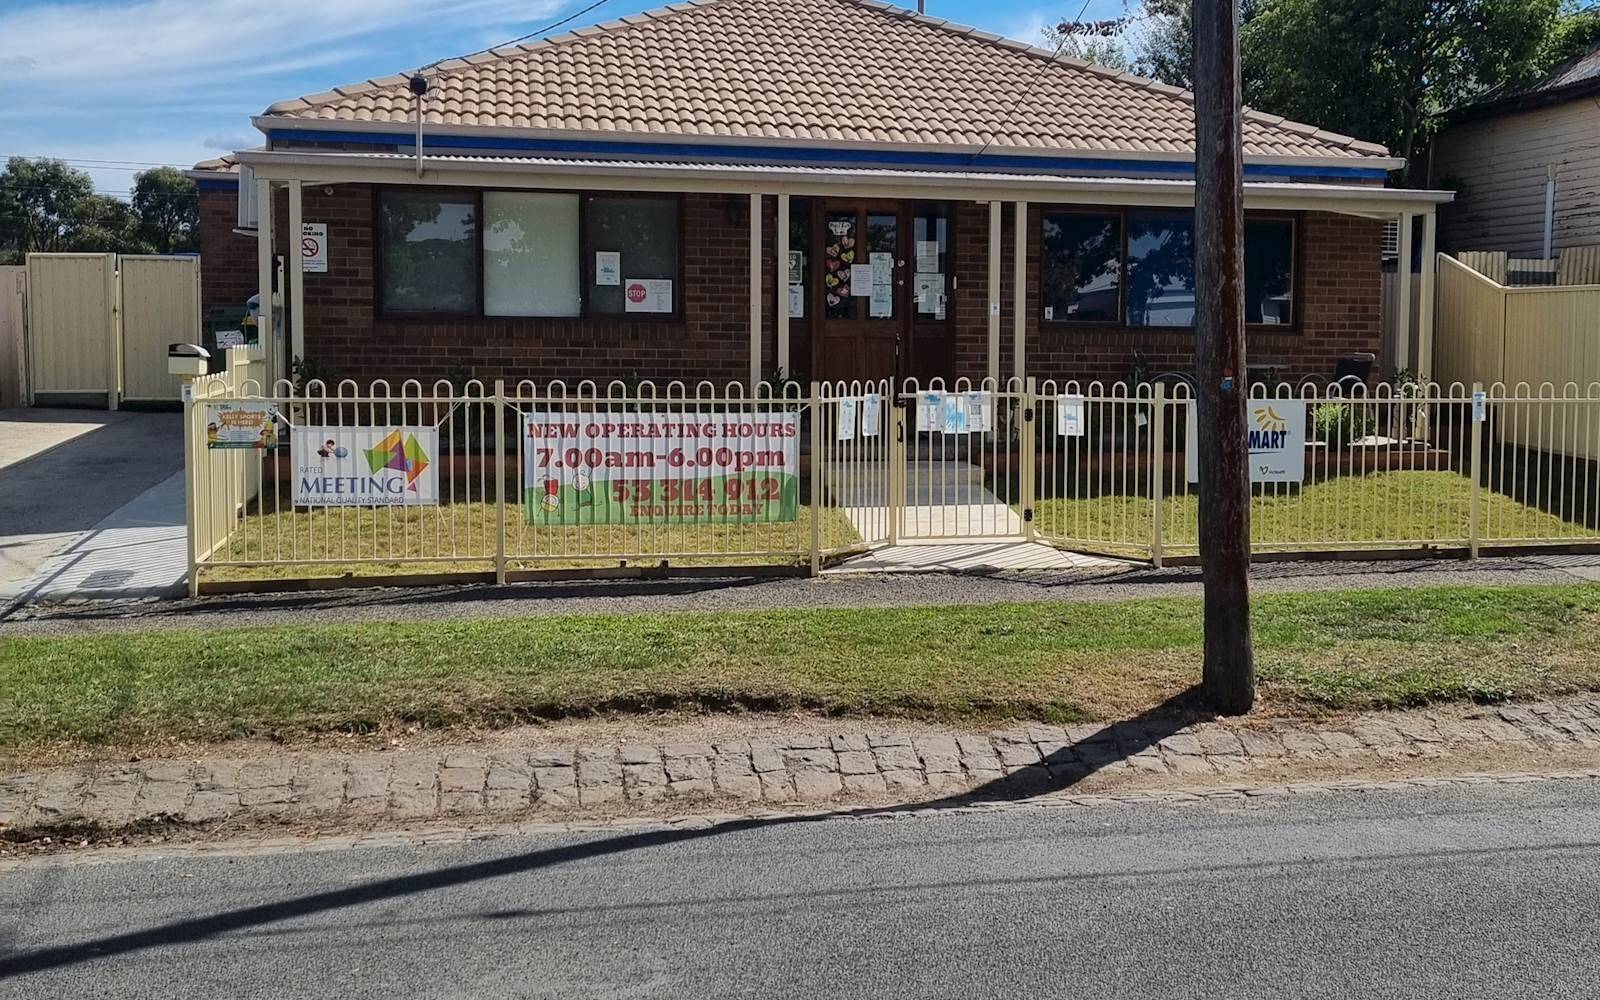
(859, 291)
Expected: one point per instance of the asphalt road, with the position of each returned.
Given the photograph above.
(1482, 891)
(748, 594)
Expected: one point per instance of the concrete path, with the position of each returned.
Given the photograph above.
(29, 432)
(1472, 891)
(850, 765)
(997, 556)
(48, 501)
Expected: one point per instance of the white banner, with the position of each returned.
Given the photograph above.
(1275, 433)
(383, 466)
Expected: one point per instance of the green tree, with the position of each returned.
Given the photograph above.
(168, 207)
(105, 224)
(1575, 34)
(41, 202)
(1385, 70)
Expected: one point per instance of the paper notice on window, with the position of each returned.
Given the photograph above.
(647, 295)
(1069, 416)
(797, 265)
(882, 268)
(797, 302)
(881, 305)
(608, 267)
(871, 413)
(930, 294)
(927, 256)
(861, 279)
(847, 420)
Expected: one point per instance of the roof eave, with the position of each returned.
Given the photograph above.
(269, 123)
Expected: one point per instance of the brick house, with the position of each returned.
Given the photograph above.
(586, 206)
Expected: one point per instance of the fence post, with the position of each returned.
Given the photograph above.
(817, 467)
(1158, 474)
(896, 497)
(1028, 445)
(191, 483)
(1473, 528)
(500, 481)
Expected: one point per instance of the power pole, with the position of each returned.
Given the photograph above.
(1229, 675)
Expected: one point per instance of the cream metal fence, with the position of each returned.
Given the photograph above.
(502, 481)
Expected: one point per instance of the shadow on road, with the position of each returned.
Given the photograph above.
(1058, 771)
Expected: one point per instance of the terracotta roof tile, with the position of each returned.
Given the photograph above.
(809, 70)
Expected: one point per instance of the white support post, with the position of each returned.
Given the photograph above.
(1425, 293)
(994, 291)
(264, 265)
(1402, 306)
(781, 291)
(294, 275)
(755, 291)
(1019, 291)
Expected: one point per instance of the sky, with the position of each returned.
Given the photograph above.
(116, 86)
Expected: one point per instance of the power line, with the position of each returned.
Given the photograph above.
(1036, 77)
(520, 38)
(90, 162)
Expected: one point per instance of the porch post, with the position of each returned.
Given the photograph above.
(1019, 291)
(1402, 294)
(781, 292)
(294, 276)
(264, 279)
(994, 292)
(755, 292)
(1425, 293)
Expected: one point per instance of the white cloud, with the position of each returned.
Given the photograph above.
(161, 45)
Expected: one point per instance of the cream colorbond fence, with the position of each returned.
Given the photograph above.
(500, 482)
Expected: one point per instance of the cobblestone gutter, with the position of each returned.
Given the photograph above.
(799, 771)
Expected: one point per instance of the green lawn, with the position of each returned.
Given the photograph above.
(1382, 508)
(961, 664)
(464, 533)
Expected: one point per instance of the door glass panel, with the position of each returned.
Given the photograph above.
(883, 244)
(839, 251)
(931, 256)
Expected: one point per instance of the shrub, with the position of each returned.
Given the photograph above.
(1338, 424)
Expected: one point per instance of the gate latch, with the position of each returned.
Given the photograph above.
(1027, 515)
(1027, 414)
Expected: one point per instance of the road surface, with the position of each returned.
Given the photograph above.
(1482, 891)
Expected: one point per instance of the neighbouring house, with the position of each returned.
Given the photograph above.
(1526, 161)
(729, 189)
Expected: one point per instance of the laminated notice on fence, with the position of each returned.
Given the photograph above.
(847, 420)
(1275, 435)
(871, 412)
(383, 466)
(241, 425)
(955, 412)
(1480, 406)
(1069, 416)
(596, 467)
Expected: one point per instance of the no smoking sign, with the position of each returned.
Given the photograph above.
(314, 247)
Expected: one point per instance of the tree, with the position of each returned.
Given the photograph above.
(1072, 40)
(168, 207)
(1385, 70)
(105, 224)
(40, 206)
(1575, 34)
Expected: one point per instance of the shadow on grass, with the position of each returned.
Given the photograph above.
(1059, 771)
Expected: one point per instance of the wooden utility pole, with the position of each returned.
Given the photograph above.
(1230, 673)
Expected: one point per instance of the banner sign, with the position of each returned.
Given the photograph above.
(1275, 433)
(241, 425)
(664, 468)
(365, 466)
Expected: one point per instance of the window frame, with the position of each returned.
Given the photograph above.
(1121, 324)
(585, 257)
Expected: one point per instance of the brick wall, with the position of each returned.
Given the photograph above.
(1338, 285)
(227, 260)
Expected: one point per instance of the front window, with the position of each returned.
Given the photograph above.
(530, 254)
(1160, 269)
(1080, 267)
(643, 233)
(430, 254)
(1268, 271)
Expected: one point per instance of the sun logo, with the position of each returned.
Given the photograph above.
(1269, 420)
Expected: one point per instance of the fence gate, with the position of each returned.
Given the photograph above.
(160, 306)
(73, 348)
(963, 461)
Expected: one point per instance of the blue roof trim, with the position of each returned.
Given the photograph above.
(870, 156)
(217, 184)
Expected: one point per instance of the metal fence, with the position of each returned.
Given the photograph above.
(496, 482)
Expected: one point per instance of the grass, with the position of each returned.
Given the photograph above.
(334, 541)
(1063, 662)
(1380, 508)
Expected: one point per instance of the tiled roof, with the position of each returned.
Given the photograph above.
(1574, 78)
(228, 163)
(808, 71)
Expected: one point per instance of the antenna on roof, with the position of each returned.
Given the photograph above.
(920, 5)
(419, 86)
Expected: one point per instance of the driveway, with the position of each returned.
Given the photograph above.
(64, 472)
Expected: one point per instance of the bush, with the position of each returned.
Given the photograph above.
(1338, 424)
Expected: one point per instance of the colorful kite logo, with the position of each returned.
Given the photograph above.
(401, 453)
